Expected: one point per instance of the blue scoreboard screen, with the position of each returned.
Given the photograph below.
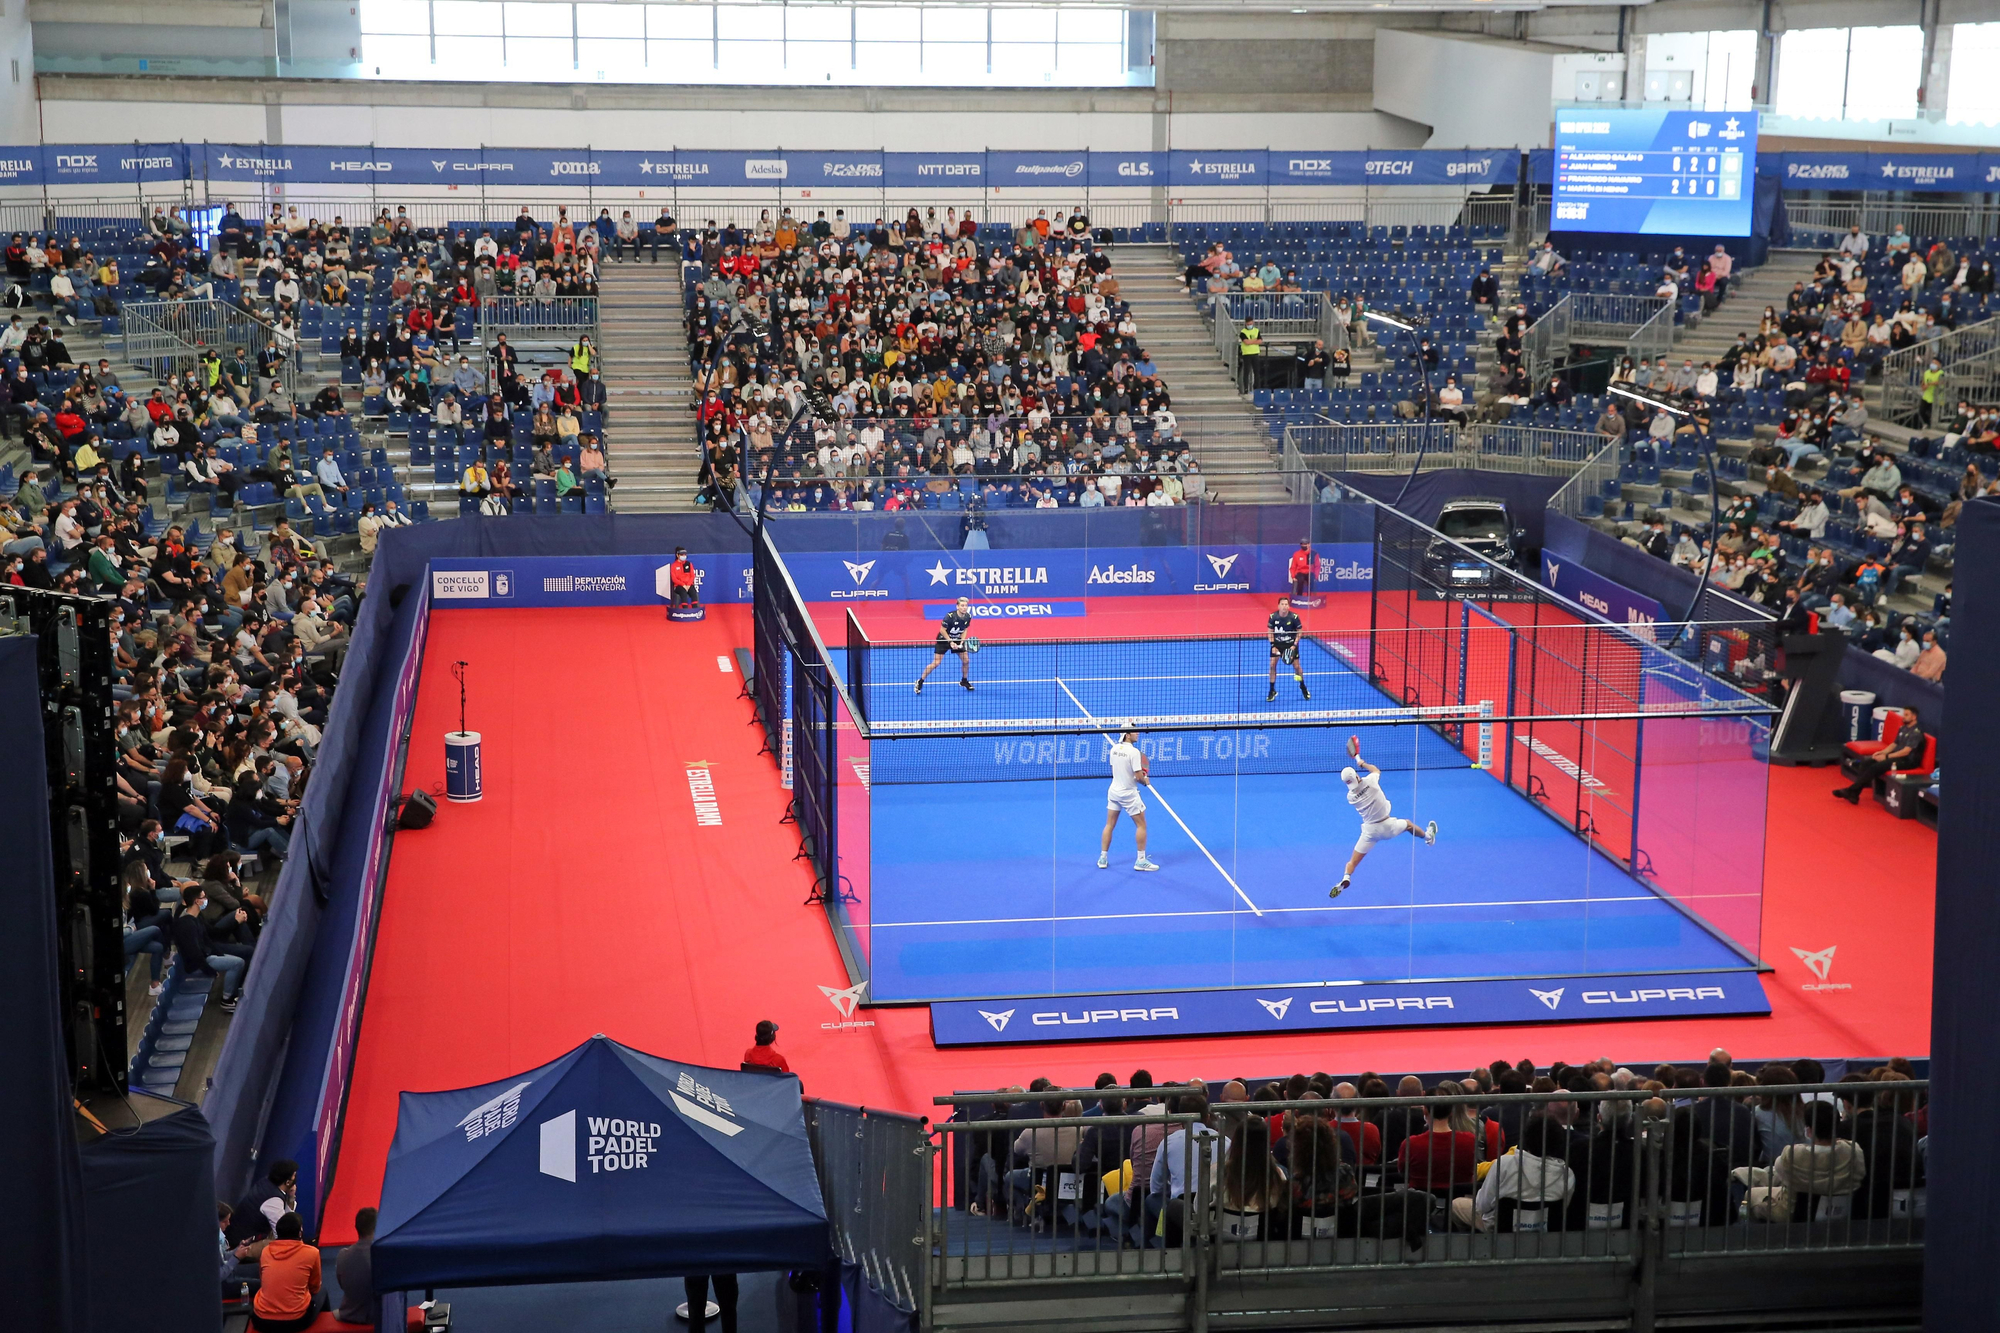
(1674, 173)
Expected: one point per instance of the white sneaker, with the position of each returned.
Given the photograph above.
(1103, 860)
(1143, 864)
(1431, 833)
(155, 989)
(1337, 889)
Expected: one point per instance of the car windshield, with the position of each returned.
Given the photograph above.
(1474, 525)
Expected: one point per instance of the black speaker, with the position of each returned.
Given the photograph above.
(418, 811)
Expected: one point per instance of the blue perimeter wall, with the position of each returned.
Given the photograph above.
(280, 1080)
(1675, 588)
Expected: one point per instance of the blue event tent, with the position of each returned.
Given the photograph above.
(606, 1163)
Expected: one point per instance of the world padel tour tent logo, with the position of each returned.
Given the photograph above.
(606, 1163)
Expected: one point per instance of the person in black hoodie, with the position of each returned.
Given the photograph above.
(199, 950)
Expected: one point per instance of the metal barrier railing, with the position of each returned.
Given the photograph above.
(173, 335)
(539, 318)
(1971, 361)
(1398, 446)
(1641, 325)
(1876, 217)
(1159, 1190)
(1599, 468)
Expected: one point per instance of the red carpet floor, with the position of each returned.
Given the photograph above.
(582, 896)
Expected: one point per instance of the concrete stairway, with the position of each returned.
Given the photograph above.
(1227, 433)
(1749, 292)
(649, 427)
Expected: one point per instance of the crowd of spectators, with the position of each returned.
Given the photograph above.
(891, 365)
(1330, 1164)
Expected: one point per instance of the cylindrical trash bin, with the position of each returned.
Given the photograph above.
(1880, 717)
(1854, 706)
(462, 778)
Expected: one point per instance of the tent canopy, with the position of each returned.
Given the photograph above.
(606, 1163)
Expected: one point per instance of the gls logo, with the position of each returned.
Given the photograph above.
(1819, 963)
(1135, 168)
(844, 1003)
(859, 571)
(1221, 564)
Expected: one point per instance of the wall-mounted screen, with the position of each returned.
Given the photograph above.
(1673, 173)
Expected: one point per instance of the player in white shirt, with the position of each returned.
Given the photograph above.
(1128, 774)
(1365, 794)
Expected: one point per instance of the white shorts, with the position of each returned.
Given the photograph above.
(1381, 831)
(1128, 801)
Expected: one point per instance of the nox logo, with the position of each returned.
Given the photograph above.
(76, 162)
(1820, 963)
(1301, 166)
(999, 1020)
(1277, 1008)
(1221, 564)
(1551, 998)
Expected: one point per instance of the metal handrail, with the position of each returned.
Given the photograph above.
(1971, 360)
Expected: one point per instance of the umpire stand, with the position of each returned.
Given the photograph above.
(74, 669)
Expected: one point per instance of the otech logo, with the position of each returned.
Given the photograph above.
(844, 1003)
(1820, 964)
(1391, 166)
(859, 571)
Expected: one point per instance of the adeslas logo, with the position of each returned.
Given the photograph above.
(1113, 574)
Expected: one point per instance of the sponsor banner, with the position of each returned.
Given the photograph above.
(1341, 1007)
(1037, 169)
(113, 163)
(833, 171)
(1010, 610)
(252, 162)
(1234, 166)
(1920, 172)
(627, 580)
(1112, 169)
(1053, 574)
(1313, 166)
(1614, 601)
(944, 171)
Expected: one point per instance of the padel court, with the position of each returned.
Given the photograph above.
(983, 882)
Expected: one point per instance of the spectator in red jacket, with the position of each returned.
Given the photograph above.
(1301, 569)
(765, 1051)
(687, 592)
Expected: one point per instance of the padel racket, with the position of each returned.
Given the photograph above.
(1354, 746)
(972, 645)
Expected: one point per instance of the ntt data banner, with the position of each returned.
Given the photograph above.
(1344, 1007)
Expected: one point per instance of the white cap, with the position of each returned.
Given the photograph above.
(1348, 775)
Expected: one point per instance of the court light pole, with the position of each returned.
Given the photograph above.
(1714, 509)
(1409, 328)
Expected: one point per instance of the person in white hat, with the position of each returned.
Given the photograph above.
(1128, 774)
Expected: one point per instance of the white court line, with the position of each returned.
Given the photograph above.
(1349, 907)
(1169, 809)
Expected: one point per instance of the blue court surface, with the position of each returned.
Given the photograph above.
(984, 879)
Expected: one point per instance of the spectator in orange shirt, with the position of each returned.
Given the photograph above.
(289, 1299)
(765, 1053)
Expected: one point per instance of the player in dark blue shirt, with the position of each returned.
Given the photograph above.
(1283, 629)
(951, 639)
